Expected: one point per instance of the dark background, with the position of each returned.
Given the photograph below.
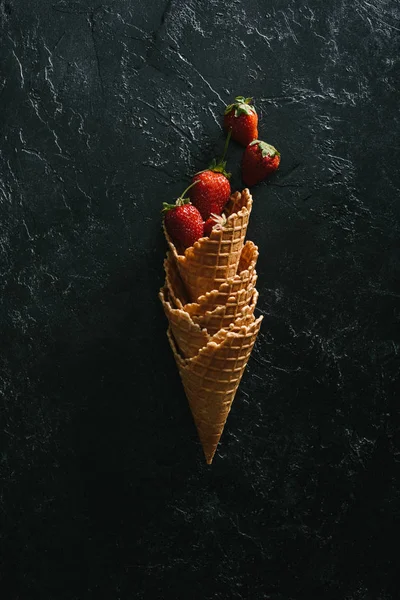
(106, 110)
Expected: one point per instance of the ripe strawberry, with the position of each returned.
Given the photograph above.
(213, 190)
(242, 119)
(259, 160)
(183, 221)
(217, 221)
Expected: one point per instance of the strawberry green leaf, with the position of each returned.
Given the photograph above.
(244, 109)
(243, 100)
(241, 106)
(216, 168)
(180, 202)
(167, 207)
(219, 166)
(229, 108)
(266, 149)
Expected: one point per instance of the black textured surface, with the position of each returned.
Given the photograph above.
(106, 111)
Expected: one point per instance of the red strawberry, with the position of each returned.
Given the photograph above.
(259, 160)
(183, 221)
(217, 221)
(242, 119)
(213, 190)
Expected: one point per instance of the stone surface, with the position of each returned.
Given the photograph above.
(107, 109)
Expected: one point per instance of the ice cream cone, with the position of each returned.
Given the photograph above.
(211, 378)
(174, 283)
(212, 260)
(240, 286)
(189, 336)
(222, 316)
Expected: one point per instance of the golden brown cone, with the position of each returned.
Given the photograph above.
(174, 283)
(211, 260)
(244, 281)
(222, 316)
(189, 336)
(211, 379)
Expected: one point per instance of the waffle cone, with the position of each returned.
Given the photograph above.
(174, 283)
(190, 337)
(240, 287)
(212, 260)
(211, 378)
(222, 316)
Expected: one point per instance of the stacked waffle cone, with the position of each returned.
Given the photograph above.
(209, 297)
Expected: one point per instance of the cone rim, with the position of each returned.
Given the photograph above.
(215, 234)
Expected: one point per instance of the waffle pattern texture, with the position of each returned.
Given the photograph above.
(209, 297)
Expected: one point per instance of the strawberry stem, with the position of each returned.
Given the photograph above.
(188, 188)
(219, 167)
(228, 139)
(181, 200)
